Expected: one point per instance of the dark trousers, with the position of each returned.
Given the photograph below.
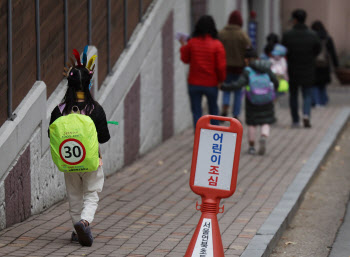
(237, 95)
(196, 93)
(293, 101)
(319, 95)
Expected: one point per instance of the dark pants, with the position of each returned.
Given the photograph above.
(196, 93)
(319, 95)
(237, 95)
(293, 101)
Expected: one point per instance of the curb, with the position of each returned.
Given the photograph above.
(270, 232)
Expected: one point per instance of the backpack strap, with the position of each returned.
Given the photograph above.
(83, 111)
(250, 72)
(61, 107)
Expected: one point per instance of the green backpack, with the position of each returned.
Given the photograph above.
(74, 143)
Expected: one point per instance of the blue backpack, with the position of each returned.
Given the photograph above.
(260, 89)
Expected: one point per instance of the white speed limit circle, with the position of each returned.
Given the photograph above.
(72, 151)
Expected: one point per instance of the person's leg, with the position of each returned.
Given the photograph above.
(293, 104)
(315, 96)
(306, 92)
(265, 132)
(74, 187)
(212, 95)
(251, 139)
(226, 96)
(323, 95)
(237, 99)
(196, 102)
(92, 185)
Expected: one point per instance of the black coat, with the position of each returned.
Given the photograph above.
(256, 114)
(303, 46)
(323, 74)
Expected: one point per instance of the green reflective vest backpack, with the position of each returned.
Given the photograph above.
(74, 143)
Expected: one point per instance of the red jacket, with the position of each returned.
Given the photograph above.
(207, 59)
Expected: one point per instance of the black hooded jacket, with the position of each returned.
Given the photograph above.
(303, 46)
(323, 73)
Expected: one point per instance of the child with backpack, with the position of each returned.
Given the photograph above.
(260, 85)
(77, 126)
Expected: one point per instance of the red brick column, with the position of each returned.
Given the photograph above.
(168, 77)
(132, 123)
(18, 190)
(198, 8)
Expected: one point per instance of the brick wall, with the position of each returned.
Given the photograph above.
(51, 43)
(52, 40)
(99, 36)
(3, 61)
(117, 29)
(24, 48)
(132, 123)
(133, 15)
(77, 25)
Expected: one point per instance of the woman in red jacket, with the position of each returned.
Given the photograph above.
(207, 59)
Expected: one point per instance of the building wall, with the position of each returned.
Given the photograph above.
(335, 15)
(132, 95)
(339, 25)
(268, 15)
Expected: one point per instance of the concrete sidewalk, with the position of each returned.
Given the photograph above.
(148, 209)
(341, 245)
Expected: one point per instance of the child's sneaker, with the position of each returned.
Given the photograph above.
(74, 237)
(251, 150)
(262, 146)
(224, 113)
(84, 233)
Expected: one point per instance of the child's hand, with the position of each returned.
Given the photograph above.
(101, 163)
(225, 87)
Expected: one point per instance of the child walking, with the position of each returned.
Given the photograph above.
(260, 84)
(279, 67)
(82, 187)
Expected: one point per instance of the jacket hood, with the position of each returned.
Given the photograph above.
(261, 66)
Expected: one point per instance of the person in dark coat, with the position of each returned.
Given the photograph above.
(303, 46)
(255, 115)
(323, 65)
